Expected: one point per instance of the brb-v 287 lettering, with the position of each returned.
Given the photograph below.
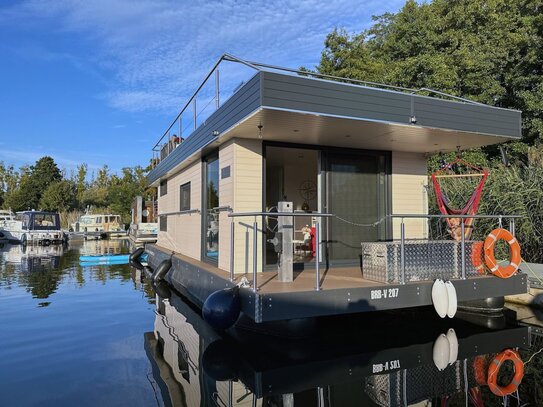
(385, 293)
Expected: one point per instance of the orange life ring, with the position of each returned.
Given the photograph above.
(477, 257)
(490, 260)
(494, 368)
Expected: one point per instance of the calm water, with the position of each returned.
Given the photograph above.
(99, 336)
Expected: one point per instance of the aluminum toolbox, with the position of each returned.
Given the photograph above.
(424, 260)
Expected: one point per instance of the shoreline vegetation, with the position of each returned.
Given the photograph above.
(43, 186)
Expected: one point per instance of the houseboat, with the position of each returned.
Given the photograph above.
(310, 194)
(144, 225)
(99, 226)
(34, 227)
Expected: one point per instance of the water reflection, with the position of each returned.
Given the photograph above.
(41, 269)
(373, 360)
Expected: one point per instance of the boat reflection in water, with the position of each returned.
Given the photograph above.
(395, 359)
(32, 258)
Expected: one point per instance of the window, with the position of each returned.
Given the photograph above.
(163, 223)
(184, 197)
(163, 187)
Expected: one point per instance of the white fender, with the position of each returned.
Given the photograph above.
(440, 298)
(453, 301)
(453, 346)
(441, 352)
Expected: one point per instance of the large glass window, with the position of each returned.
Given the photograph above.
(211, 215)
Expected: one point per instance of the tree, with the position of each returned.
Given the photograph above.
(81, 183)
(32, 183)
(490, 51)
(123, 190)
(59, 196)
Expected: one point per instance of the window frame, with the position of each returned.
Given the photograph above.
(163, 223)
(163, 187)
(184, 192)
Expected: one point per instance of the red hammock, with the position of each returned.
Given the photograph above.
(471, 206)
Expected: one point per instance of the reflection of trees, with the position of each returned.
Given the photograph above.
(212, 195)
(43, 283)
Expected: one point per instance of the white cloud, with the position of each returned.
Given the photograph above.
(159, 50)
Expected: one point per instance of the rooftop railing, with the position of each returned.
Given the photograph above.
(203, 101)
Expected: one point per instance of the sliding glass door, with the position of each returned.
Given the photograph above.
(356, 192)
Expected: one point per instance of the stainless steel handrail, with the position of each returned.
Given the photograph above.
(315, 214)
(255, 241)
(424, 216)
(258, 66)
(462, 231)
(189, 211)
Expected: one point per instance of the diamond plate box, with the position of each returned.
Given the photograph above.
(424, 260)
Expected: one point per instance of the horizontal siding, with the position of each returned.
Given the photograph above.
(335, 98)
(184, 231)
(439, 113)
(248, 185)
(341, 99)
(240, 105)
(409, 196)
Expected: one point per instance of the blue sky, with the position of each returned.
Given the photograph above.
(98, 81)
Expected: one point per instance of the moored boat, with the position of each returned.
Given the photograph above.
(99, 226)
(34, 227)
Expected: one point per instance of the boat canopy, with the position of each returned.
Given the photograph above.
(36, 220)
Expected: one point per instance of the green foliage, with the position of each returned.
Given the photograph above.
(43, 186)
(59, 196)
(489, 51)
(24, 190)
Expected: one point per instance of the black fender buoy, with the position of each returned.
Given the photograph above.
(161, 288)
(148, 272)
(136, 253)
(221, 309)
(23, 239)
(162, 270)
(220, 361)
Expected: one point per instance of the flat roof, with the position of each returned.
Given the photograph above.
(315, 111)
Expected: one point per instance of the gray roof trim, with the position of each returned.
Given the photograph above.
(316, 96)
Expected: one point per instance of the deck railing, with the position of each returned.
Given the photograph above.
(317, 255)
(184, 126)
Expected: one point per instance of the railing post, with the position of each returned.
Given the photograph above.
(463, 248)
(255, 255)
(512, 226)
(317, 258)
(194, 113)
(217, 90)
(402, 250)
(232, 248)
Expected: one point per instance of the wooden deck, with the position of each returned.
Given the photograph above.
(267, 281)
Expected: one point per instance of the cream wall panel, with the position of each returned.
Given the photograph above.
(184, 231)
(248, 184)
(409, 194)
